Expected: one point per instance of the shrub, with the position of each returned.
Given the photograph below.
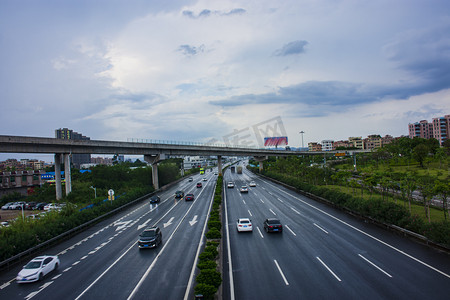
(210, 277)
(206, 290)
(207, 264)
(212, 250)
(213, 234)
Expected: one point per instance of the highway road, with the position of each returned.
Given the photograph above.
(104, 262)
(322, 253)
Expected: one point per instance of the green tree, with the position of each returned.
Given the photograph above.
(443, 190)
(420, 152)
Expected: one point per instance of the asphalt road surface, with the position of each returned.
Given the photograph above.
(104, 262)
(322, 253)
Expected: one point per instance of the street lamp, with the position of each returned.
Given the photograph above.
(302, 132)
(95, 191)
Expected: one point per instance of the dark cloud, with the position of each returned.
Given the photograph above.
(292, 48)
(207, 13)
(191, 50)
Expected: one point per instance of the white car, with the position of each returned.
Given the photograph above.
(52, 206)
(7, 205)
(230, 185)
(37, 268)
(244, 189)
(252, 184)
(204, 179)
(244, 224)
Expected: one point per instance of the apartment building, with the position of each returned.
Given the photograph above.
(441, 128)
(372, 142)
(327, 145)
(357, 142)
(313, 146)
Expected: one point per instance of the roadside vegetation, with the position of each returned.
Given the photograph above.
(398, 184)
(128, 180)
(209, 279)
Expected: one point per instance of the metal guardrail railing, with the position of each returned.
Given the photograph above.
(185, 143)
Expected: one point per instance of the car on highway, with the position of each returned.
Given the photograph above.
(191, 179)
(37, 268)
(199, 184)
(189, 197)
(204, 179)
(252, 184)
(243, 189)
(150, 238)
(273, 225)
(230, 185)
(179, 194)
(244, 224)
(154, 199)
(7, 205)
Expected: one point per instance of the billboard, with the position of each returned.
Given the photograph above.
(275, 141)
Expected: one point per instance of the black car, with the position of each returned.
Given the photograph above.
(179, 194)
(199, 184)
(155, 199)
(40, 206)
(273, 225)
(150, 238)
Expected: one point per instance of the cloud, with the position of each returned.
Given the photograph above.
(207, 13)
(292, 48)
(188, 50)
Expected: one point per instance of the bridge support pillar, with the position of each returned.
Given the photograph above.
(67, 173)
(260, 160)
(154, 160)
(219, 164)
(58, 176)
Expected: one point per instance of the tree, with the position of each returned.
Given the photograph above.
(420, 152)
(443, 190)
(426, 188)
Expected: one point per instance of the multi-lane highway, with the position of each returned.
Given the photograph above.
(104, 262)
(322, 252)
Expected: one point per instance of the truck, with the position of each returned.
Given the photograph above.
(232, 169)
(239, 169)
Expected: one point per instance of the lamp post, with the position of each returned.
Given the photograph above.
(95, 191)
(302, 132)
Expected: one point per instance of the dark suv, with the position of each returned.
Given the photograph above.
(155, 199)
(150, 238)
(179, 194)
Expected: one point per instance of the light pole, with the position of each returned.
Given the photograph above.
(95, 191)
(302, 132)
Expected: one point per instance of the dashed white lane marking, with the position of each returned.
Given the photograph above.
(329, 270)
(281, 272)
(380, 269)
(272, 212)
(290, 230)
(320, 228)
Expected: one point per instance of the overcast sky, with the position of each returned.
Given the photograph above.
(202, 71)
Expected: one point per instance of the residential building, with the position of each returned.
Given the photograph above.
(68, 134)
(327, 145)
(313, 146)
(342, 144)
(357, 142)
(372, 142)
(441, 128)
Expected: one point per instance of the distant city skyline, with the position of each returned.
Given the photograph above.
(200, 71)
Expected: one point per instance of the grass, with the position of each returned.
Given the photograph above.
(437, 214)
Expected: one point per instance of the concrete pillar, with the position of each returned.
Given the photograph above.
(260, 160)
(58, 176)
(153, 160)
(67, 173)
(219, 164)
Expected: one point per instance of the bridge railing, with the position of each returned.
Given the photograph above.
(170, 142)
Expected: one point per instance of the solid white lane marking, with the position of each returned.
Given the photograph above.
(320, 228)
(380, 269)
(281, 272)
(365, 233)
(290, 230)
(329, 270)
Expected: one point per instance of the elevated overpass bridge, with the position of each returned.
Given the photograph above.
(152, 152)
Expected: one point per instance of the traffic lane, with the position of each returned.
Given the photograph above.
(171, 271)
